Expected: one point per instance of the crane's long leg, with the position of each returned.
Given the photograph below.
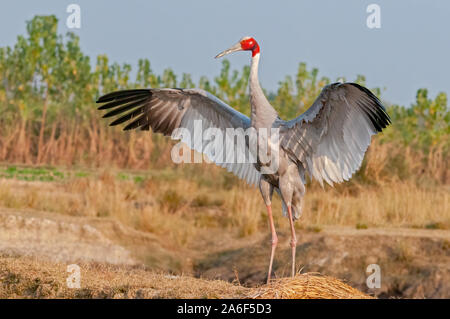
(274, 240)
(293, 239)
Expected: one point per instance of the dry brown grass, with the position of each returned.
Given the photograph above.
(307, 286)
(178, 209)
(393, 204)
(87, 143)
(25, 277)
(197, 215)
(391, 162)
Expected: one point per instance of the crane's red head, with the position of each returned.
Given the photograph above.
(249, 44)
(244, 44)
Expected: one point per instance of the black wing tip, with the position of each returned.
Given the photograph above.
(380, 119)
(116, 122)
(122, 94)
(122, 101)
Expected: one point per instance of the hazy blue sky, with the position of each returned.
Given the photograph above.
(411, 50)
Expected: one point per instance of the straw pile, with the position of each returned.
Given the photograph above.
(307, 286)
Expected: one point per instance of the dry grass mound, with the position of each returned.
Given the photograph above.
(308, 286)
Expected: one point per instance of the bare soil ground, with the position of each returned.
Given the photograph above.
(36, 247)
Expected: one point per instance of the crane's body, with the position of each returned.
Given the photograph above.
(327, 142)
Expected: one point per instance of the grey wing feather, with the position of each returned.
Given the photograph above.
(166, 110)
(330, 139)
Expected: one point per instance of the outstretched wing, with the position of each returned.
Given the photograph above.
(166, 110)
(330, 139)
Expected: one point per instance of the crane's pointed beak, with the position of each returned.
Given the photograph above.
(234, 48)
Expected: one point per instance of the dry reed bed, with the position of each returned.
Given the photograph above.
(94, 144)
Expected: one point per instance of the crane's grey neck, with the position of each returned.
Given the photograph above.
(262, 113)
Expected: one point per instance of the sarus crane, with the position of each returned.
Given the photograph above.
(327, 142)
